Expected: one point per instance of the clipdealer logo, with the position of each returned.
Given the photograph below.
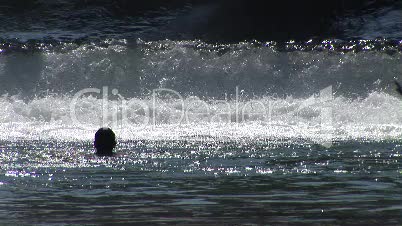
(148, 112)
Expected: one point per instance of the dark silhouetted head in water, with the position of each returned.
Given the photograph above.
(105, 141)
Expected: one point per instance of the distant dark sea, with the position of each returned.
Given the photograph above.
(227, 112)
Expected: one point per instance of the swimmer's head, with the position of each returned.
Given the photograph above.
(105, 141)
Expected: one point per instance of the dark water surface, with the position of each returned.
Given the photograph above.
(208, 20)
(279, 112)
(182, 182)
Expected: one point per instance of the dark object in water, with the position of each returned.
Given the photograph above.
(105, 141)
(398, 87)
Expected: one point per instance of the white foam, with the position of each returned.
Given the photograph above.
(378, 116)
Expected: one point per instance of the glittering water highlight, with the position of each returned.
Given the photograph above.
(247, 133)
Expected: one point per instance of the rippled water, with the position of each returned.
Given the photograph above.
(259, 133)
(279, 112)
(196, 182)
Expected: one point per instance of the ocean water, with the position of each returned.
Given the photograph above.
(235, 127)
